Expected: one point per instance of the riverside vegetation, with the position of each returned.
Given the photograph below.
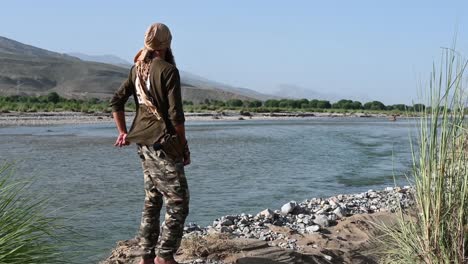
(53, 102)
(28, 234)
(437, 230)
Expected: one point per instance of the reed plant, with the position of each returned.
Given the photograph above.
(435, 231)
(27, 233)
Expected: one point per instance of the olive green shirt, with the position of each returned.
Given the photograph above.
(165, 92)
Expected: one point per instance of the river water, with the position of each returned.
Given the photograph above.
(237, 166)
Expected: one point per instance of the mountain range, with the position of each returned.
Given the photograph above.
(28, 70)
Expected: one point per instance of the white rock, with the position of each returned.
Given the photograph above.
(312, 228)
(321, 220)
(267, 213)
(288, 207)
(339, 212)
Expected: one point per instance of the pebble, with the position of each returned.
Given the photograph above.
(321, 220)
(288, 207)
(312, 228)
(340, 212)
(267, 213)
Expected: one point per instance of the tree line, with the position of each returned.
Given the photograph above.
(308, 104)
(54, 102)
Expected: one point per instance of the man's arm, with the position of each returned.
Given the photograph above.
(118, 109)
(176, 111)
(119, 118)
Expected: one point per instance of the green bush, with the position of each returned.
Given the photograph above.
(27, 233)
(437, 232)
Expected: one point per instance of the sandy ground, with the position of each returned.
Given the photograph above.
(59, 118)
(350, 241)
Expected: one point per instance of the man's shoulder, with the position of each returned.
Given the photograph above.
(163, 66)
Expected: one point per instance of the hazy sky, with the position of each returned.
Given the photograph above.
(376, 50)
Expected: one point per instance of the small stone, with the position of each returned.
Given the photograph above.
(226, 222)
(340, 212)
(288, 208)
(225, 229)
(321, 220)
(389, 189)
(329, 258)
(312, 228)
(267, 213)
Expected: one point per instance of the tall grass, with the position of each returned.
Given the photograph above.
(27, 234)
(435, 232)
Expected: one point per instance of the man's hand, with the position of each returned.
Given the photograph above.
(122, 140)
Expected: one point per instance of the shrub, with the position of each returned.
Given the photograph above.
(27, 233)
(438, 231)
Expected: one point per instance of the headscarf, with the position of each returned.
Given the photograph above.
(157, 37)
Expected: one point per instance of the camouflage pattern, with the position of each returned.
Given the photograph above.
(163, 178)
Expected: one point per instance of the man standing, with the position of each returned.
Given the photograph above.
(159, 132)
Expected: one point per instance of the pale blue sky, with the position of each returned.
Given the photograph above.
(373, 49)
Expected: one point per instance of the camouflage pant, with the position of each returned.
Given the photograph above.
(163, 178)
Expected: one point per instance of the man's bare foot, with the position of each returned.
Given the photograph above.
(159, 260)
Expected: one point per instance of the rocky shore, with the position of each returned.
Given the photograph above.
(337, 229)
(60, 118)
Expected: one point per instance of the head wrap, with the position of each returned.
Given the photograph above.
(157, 37)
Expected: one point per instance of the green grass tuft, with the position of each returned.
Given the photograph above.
(436, 230)
(27, 233)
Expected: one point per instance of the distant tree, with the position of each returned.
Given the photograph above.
(254, 103)
(303, 103)
(271, 103)
(400, 107)
(374, 105)
(53, 97)
(356, 105)
(419, 107)
(342, 104)
(234, 103)
(347, 104)
(187, 102)
(218, 103)
(323, 104)
(283, 104)
(313, 103)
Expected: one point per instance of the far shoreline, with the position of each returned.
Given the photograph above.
(64, 118)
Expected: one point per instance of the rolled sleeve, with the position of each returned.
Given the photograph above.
(123, 93)
(174, 97)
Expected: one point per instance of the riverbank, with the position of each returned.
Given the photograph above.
(338, 229)
(62, 118)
